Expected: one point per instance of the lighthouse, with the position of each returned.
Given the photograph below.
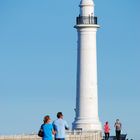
(86, 118)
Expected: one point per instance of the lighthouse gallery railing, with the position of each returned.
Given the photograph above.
(86, 20)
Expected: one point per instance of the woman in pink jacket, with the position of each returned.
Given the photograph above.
(106, 130)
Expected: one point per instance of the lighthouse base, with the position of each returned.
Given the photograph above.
(87, 125)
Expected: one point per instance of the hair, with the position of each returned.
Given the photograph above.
(59, 114)
(46, 118)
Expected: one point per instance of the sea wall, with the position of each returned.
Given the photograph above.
(71, 135)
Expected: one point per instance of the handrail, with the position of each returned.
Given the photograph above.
(86, 20)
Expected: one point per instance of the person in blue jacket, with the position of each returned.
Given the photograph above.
(47, 129)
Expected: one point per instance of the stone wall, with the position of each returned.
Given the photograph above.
(71, 135)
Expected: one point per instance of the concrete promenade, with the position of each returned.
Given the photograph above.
(71, 135)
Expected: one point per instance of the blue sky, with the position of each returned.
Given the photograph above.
(38, 63)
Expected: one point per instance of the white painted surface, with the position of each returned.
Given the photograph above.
(87, 94)
(86, 8)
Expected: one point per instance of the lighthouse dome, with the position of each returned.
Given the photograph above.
(86, 2)
(86, 8)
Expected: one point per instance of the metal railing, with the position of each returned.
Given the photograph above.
(84, 135)
(86, 20)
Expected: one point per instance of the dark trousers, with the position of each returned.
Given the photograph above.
(118, 135)
(106, 136)
(59, 138)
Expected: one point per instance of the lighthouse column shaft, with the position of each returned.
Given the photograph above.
(87, 106)
(87, 97)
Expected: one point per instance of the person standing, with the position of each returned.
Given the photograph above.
(107, 130)
(60, 125)
(47, 129)
(118, 127)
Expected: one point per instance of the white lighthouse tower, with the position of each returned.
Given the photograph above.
(87, 118)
